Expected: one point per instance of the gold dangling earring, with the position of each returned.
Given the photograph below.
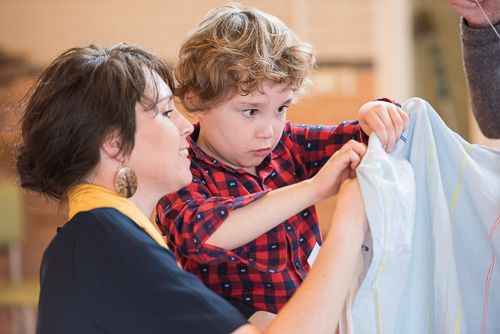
(126, 182)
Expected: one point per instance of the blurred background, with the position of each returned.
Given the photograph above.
(366, 49)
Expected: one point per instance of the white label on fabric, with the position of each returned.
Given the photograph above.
(314, 255)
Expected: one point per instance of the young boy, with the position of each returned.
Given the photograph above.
(247, 225)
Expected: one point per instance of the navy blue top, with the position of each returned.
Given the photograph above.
(103, 273)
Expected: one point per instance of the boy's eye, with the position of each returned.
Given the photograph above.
(250, 112)
(167, 112)
(281, 109)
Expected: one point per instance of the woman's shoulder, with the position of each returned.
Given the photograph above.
(105, 221)
(94, 216)
(108, 226)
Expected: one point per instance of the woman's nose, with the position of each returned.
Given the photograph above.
(183, 124)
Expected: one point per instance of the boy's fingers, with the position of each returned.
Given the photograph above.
(350, 155)
(354, 158)
(386, 117)
(357, 147)
(380, 129)
(354, 154)
(401, 121)
(397, 121)
(405, 117)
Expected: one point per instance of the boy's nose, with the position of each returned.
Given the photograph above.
(265, 130)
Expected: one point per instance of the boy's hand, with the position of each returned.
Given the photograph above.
(387, 120)
(341, 166)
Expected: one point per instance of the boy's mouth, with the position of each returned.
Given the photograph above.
(262, 152)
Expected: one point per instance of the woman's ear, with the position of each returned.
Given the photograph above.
(111, 145)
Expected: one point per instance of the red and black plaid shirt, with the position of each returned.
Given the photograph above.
(265, 272)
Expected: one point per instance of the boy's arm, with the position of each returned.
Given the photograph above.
(191, 215)
(201, 228)
(312, 146)
(249, 222)
(258, 217)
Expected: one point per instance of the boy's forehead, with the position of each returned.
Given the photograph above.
(280, 93)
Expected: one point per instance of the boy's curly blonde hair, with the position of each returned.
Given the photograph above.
(234, 49)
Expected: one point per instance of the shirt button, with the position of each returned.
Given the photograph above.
(298, 264)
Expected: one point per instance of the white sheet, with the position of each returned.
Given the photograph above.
(433, 207)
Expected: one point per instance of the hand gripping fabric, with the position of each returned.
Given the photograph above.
(433, 207)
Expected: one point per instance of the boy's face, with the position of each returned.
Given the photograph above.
(244, 130)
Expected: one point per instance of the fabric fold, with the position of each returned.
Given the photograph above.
(433, 207)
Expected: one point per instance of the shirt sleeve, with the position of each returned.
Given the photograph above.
(137, 286)
(385, 99)
(480, 48)
(190, 216)
(314, 145)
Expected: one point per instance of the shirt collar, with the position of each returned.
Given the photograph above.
(86, 197)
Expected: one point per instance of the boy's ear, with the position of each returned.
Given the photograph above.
(189, 101)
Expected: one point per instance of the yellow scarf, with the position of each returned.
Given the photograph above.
(85, 197)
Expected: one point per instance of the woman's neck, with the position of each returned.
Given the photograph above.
(105, 177)
(143, 203)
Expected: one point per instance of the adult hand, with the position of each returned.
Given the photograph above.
(470, 10)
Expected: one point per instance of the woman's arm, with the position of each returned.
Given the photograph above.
(317, 304)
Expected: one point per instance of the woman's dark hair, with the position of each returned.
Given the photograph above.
(85, 95)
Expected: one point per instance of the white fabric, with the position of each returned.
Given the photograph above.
(433, 207)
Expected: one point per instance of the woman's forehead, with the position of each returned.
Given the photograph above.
(156, 88)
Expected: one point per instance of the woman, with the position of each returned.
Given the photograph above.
(99, 124)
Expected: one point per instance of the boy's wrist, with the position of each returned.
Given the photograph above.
(385, 99)
(310, 192)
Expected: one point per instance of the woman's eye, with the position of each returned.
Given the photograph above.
(250, 112)
(281, 109)
(167, 112)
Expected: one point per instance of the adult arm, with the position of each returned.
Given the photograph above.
(471, 12)
(317, 304)
(480, 48)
